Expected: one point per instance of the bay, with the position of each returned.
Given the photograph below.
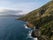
(12, 29)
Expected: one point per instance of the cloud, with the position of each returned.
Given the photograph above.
(24, 5)
(10, 12)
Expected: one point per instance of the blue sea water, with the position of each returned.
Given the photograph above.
(12, 29)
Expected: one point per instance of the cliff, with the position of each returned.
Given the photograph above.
(42, 16)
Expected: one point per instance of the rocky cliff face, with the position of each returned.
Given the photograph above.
(44, 18)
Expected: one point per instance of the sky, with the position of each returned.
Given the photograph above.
(20, 5)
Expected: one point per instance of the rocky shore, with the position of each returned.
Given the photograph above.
(44, 20)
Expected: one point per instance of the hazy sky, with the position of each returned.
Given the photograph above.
(24, 5)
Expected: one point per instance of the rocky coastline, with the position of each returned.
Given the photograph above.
(44, 20)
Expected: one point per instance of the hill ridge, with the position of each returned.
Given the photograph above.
(45, 14)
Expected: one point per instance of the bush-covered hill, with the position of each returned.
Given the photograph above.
(44, 18)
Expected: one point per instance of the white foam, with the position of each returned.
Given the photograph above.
(29, 35)
(35, 39)
(26, 26)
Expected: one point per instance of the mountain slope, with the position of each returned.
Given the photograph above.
(44, 18)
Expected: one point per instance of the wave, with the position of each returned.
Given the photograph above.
(35, 39)
(29, 33)
(26, 26)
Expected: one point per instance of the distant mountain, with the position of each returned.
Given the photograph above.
(11, 15)
(44, 18)
(10, 12)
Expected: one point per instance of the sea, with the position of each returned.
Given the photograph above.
(12, 29)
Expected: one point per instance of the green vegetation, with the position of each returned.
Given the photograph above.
(44, 18)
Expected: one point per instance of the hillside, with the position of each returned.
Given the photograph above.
(44, 18)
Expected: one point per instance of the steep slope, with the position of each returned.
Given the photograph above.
(45, 12)
(44, 18)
